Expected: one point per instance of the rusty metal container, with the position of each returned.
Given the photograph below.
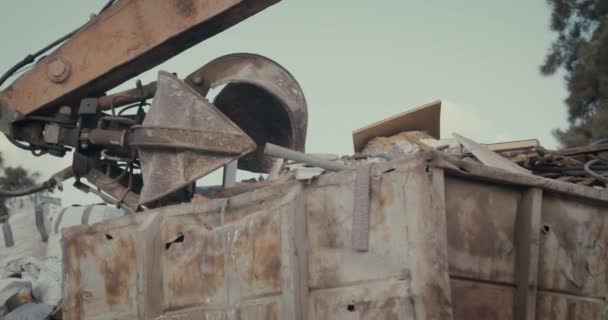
(447, 240)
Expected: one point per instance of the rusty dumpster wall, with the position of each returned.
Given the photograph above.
(280, 253)
(443, 244)
(558, 273)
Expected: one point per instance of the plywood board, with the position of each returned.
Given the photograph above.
(514, 145)
(426, 118)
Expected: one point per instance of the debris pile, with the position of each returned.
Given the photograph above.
(418, 130)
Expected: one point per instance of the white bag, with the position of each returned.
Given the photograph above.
(26, 230)
(47, 289)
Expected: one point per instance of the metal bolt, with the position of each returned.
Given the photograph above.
(197, 80)
(58, 69)
(65, 110)
(84, 145)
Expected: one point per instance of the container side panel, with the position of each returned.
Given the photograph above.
(109, 275)
(574, 246)
(332, 261)
(481, 221)
(407, 242)
(221, 266)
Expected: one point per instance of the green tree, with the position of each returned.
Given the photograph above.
(581, 51)
(13, 178)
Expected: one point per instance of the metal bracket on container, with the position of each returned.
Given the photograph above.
(361, 206)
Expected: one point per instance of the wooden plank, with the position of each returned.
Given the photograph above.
(528, 242)
(425, 118)
(514, 145)
(488, 157)
(584, 150)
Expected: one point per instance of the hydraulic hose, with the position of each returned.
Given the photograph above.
(52, 182)
(24, 192)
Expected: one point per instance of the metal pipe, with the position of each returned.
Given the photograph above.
(280, 152)
(229, 178)
(546, 169)
(113, 138)
(128, 97)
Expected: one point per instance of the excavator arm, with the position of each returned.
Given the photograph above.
(140, 153)
(126, 39)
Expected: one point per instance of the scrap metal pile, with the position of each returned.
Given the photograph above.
(581, 165)
(418, 130)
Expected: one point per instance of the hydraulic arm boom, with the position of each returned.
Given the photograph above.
(147, 154)
(129, 38)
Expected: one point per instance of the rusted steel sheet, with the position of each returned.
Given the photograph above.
(406, 241)
(473, 300)
(574, 246)
(130, 37)
(285, 252)
(109, 262)
(480, 226)
(276, 253)
(484, 214)
(158, 263)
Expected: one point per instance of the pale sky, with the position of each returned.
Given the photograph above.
(358, 61)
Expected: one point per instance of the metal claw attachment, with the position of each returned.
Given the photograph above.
(260, 97)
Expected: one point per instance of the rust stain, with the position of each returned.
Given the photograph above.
(385, 309)
(265, 251)
(118, 270)
(260, 312)
(574, 251)
(329, 224)
(185, 8)
(382, 196)
(72, 275)
(477, 301)
(198, 269)
(330, 230)
(328, 273)
(480, 222)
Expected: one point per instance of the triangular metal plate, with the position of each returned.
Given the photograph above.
(177, 106)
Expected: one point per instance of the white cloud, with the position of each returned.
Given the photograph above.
(471, 121)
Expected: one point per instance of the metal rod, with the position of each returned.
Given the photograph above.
(229, 178)
(127, 97)
(543, 169)
(280, 152)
